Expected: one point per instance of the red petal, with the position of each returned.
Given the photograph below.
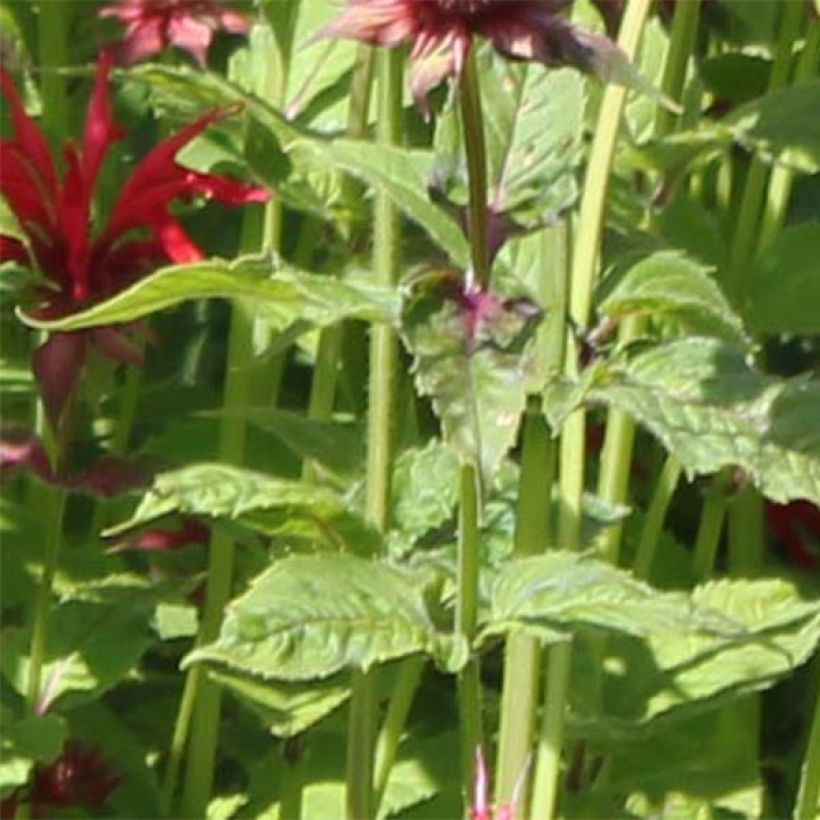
(57, 365)
(29, 137)
(178, 245)
(13, 250)
(191, 35)
(101, 131)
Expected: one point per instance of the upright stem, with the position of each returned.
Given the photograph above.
(585, 266)
(548, 761)
(472, 119)
(469, 680)
(711, 527)
(206, 709)
(662, 497)
(523, 652)
(382, 389)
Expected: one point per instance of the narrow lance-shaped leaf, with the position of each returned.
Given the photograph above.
(712, 410)
(282, 295)
(265, 504)
(308, 617)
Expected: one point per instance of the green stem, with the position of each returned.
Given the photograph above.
(653, 524)
(747, 538)
(780, 183)
(205, 718)
(807, 806)
(55, 500)
(52, 30)
(748, 219)
(548, 760)
(585, 262)
(179, 738)
(469, 682)
(401, 699)
(523, 653)
(710, 527)
(382, 389)
(473, 122)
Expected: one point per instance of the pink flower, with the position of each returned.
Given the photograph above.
(56, 216)
(152, 25)
(441, 33)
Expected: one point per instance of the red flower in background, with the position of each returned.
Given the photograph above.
(441, 32)
(152, 25)
(796, 525)
(56, 216)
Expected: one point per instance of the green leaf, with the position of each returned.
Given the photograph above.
(668, 285)
(280, 295)
(565, 590)
(403, 174)
(534, 123)
(262, 503)
(478, 386)
(713, 410)
(672, 674)
(783, 125)
(782, 287)
(91, 647)
(308, 617)
(287, 709)
(26, 741)
(424, 488)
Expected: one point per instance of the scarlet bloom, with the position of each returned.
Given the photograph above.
(56, 217)
(797, 526)
(153, 25)
(442, 31)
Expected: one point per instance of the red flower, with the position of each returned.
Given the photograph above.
(56, 216)
(152, 25)
(442, 31)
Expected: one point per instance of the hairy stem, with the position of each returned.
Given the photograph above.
(382, 390)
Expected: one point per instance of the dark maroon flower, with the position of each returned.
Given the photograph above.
(79, 777)
(794, 524)
(108, 476)
(153, 25)
(156, 540)
(441, 33)
(55, 213)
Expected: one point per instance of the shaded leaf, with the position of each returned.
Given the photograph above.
(26, 741)
(782, 287)
(280, 295)
(275, 506)
(712, 410)
(668, 285)
(308, 617)
(287, 709)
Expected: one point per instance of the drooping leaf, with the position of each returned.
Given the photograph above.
(712, 409)
(477, 366)
(287, 709)
(566, 590)
(403, 174)
(668, 285)
(279, 294)
(673, 674)
(782, 286)
(308, 617)
(265, 504)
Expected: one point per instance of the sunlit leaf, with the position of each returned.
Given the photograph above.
(712, 409)
(308, 617)
(266, 504)
(26, 741)
(565, 590)
(668, 285)
(279, 294)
